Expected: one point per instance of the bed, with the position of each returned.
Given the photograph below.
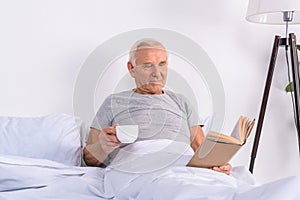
(41, 158)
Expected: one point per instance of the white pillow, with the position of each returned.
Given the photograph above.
(53, 137)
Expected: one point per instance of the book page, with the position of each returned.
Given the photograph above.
(221, 138)
(242, 129)
(249, 129)
(236, 130)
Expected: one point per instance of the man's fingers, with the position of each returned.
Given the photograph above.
(224, 169)
(217, 169)
(110, 146)
(109, 133)
(109, 130)
(111, 143)
(115, 125)
(108, 139)
(112, 138)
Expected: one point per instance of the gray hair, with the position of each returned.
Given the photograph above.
(143, 43)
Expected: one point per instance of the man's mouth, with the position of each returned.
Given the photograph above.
(155, 82)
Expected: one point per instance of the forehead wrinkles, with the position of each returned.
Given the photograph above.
(151, 54)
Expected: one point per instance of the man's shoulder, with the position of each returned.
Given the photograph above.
(175, 95)
(180, 99)
(120, 94)
(116, 98)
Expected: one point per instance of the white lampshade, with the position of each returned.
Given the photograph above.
(271, 11)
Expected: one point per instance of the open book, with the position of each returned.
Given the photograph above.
(217, 149)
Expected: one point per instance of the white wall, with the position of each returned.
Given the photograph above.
(45, 42)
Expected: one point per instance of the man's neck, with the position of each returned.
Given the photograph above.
(144, 91)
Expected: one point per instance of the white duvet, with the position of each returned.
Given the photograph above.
(27, 178)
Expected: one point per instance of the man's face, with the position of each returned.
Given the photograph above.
(150, 71)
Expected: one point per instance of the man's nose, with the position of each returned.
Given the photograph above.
(156, 70)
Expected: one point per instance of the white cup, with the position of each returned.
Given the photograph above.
(127, 133)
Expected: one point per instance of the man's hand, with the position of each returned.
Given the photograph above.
(99, 145)
(108, 139)
(89, 158)
(226, 169)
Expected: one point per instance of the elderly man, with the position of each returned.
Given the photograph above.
(159, 113)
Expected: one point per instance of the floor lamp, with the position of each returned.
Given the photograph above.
(282, 12)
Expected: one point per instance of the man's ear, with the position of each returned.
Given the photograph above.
(131, 69)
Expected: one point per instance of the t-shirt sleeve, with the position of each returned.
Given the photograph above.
(192, 114)
(103, 116)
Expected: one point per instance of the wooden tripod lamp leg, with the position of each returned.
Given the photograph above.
(264, 101)
(296, 80)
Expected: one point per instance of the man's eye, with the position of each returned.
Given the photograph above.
(162, 64)
(147, 66)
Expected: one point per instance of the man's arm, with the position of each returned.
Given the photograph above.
(196, 137)
(93, 149)
(99, 145)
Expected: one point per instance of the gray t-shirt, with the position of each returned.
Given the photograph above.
(165, 116)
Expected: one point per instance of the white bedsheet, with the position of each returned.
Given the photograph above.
(27, 178)
(192, 183)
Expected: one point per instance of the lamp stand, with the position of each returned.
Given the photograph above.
(296, 80)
